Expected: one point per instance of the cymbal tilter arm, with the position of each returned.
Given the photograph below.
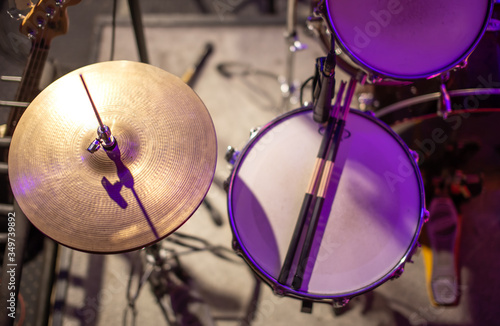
(104, 136)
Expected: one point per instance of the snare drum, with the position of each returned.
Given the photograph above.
(367, 230)
(406, 39)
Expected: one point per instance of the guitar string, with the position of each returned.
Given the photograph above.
(30, 81)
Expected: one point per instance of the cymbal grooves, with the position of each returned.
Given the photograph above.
(96, 202)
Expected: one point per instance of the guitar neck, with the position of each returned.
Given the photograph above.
(29, 87)
(46, 20)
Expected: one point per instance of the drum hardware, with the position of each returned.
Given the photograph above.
(104, 136)
(444, 104)
(460, 187)
(174, 288)
(442, 231)
(450, 180)
(324, 87)
(151, 112)
(413, 153)
(231, 155)
(459, 108)
(493, 25)
(448, 187)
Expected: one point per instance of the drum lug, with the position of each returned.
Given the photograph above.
(426, 215)
(279, 290)
(236, 247)
(374, 78)
(370, 113)
(341, 302)
(231, 155)
(493, 25)
(415, 156)
(413, 251)
(463, 64)
(226, 183)
(253, 132)
(398, 272)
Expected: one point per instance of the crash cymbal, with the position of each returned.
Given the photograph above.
(113, 200)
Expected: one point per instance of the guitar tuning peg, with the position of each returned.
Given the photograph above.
(31, 35)
(50, 12)
(14, 13)
(41, 22)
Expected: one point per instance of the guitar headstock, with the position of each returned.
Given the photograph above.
(46, 20)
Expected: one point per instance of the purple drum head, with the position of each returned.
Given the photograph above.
(408, 39)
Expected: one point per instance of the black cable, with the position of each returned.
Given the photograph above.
(302, 87)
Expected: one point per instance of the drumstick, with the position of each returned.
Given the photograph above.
(311, 189)
(190, 75)
(323, 187)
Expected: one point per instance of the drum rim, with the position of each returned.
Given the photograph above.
(377, 73)
(434, 97)
(282, 289)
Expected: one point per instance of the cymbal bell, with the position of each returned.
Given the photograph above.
(115, 200)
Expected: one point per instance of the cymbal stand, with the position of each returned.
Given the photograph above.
(173, 287)
(155, 262)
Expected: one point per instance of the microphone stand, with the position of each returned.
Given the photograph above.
(324, 87)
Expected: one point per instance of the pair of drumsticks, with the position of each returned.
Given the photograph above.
(317, 188)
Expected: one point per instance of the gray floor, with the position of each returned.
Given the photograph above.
(225, 287)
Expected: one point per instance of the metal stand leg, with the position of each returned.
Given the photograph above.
(135, 14)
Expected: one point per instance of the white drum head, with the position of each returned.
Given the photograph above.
(405, 38)
(366, 231)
